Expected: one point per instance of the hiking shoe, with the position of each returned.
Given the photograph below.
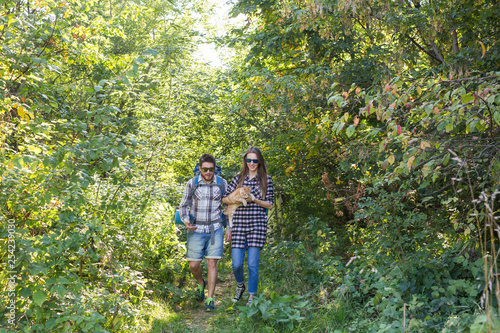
(238, 293)
(200, 291)
(209, 304)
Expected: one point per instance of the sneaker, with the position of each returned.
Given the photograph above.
(238, 293)
(209, 304)
(200, 290)
(249, 302)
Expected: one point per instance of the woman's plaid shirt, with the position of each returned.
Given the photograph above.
(250, 222)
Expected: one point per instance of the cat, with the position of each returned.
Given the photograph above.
(237, 198)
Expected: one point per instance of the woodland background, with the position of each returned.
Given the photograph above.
(379, 121)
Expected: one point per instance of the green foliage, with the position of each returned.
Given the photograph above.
(420, 291)
(282, 311)
(79, 115)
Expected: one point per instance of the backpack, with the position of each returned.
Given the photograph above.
(217, 182)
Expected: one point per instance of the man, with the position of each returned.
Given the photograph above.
(200, 210)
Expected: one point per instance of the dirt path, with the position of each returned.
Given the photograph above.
(197, 318)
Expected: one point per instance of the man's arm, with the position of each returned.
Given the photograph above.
(185, 205)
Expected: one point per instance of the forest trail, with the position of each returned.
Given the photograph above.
(197, 319)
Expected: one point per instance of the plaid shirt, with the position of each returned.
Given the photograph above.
(250, 222)
(205, 205)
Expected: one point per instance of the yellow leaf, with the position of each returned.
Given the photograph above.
(419, 91)
(483, 48)
(20, 111)
(435, 110)
(346, 117)
(391, 159)
(410, 162)
(424, 145)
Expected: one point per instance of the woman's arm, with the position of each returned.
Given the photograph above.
(263, 203)
(268, 201)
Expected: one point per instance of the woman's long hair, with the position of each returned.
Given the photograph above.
(261, 171)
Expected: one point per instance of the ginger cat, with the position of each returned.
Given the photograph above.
(237, 198)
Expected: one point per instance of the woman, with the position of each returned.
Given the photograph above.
(250, 223)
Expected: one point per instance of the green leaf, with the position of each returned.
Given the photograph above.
(496, 116)
(446, 159)
(350, 131)
(467, 98)
(39, 297)
(63, 280)
(18, 162)
(151, 52)
(25, 292)
(97, 88)
(139, 60)
(481, 126)
(452, 290)
(339, 128)
(51, 281)
(60, 289)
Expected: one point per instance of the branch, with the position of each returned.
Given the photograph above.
(436, 52)
(421, 48)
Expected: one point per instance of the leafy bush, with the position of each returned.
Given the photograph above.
(284, 311)
(420, 292)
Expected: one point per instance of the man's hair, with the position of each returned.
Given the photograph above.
(207, 158)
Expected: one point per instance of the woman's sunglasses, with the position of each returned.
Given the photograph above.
(207, 169)
(250, 160)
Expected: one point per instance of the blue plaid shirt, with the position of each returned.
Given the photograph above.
(204, 205)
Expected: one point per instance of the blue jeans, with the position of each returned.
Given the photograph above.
(199, 245)
(253, 267)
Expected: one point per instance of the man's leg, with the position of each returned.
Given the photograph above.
(195, 251)
(195, 267)
(212, 276)
(213, 254)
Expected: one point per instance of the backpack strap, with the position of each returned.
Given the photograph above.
(219, 182)
(196, 183)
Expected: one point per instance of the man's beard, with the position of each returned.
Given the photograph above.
(207, 180)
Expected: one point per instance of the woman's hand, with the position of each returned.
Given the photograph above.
(254, 194)
(228, 236)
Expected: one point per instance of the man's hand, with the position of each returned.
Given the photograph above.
(191, 227)
(228, 236)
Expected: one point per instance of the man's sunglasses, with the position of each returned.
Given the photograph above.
(250, 160)
(207, 169)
